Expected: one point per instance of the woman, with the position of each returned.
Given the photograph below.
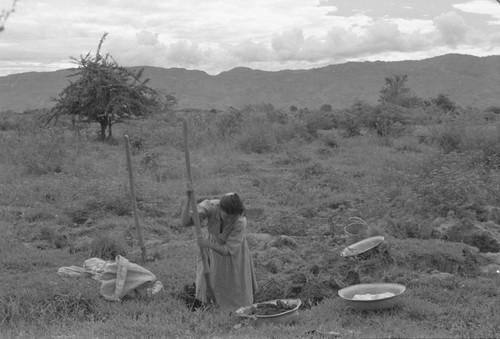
(231, 271)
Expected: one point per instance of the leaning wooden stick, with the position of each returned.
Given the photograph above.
(196, 218)
(134, 201)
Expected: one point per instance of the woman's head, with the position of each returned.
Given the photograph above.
(231, 203)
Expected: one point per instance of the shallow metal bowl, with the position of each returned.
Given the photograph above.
(280, 318)
(356, 229)
(348, 293)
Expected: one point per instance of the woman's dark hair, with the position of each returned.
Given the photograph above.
(231, 203)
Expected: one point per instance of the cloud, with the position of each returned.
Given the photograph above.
(147, 38)
(327, 3)
(352, 37)
(267, 34)
(486, 7)
(288, 44)
(451, 28)
(377, 37)
(185, 53)
(495, 38)
(250, 51)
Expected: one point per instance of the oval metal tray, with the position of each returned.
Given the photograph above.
(362, 246)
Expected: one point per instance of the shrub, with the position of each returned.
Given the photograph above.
(137, 144)
(294, 130)
(150, 160)
(319, 120)
(453, 182)
(351, 126)
(449, 138)
(329, 138)
(407, 145)
(7, 125)
(484, 141)
(228, 123)
(409, 227)
(388, 120)
(257, 136)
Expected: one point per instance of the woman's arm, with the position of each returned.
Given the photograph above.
(203, 209)
(233, 243)
(221, 249)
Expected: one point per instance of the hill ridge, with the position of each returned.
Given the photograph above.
(467, 80)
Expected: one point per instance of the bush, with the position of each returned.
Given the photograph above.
(150, 160)
(450, 138)
(137, 144)
(329, 138)
(454, 182)
(228, 123)
(319, 120)
(257, 136)
(351, 126)
(292, 130)
(388, 120)
(485, 142)
(407, 145)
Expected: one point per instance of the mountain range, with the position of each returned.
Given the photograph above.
(467, 80)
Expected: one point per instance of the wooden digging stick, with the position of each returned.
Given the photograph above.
(196, 218)
(134, 201)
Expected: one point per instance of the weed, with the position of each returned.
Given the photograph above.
(137, 144)
(314, 170)
(294, 158)
(150, 160)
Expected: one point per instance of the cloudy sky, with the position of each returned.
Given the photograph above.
(216, 35)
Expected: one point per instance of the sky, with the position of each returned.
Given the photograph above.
(216, 36)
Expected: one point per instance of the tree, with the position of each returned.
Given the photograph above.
(167, 101)
(442, 101)
(396, 92)
(105, 92)
(4, 14)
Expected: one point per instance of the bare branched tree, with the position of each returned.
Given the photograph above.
(4, 15)
(104, 92)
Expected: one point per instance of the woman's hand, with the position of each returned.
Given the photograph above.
(203, 242)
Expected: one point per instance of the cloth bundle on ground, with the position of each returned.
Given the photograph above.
(123, 278)
(92, 268)
(118, 279)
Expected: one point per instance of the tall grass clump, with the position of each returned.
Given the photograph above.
(257, 136)
(449, 137)
(107, 246)
(485, 142)
(46, 304)
(46, 151)
(454, 182)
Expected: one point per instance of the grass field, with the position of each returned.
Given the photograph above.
(65, 198)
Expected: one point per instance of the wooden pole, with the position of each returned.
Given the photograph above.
(133, 200)
(196, 217)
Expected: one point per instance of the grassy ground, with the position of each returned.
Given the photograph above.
(65, 197)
